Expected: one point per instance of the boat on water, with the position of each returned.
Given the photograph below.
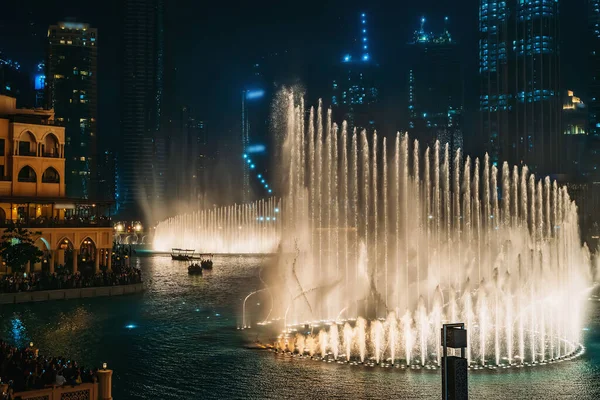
(206, 261)
(195, 269)
(182, 254)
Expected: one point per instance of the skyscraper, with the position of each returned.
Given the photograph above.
(520, 99)
(355, 93)
(142, 154)
(435, 88)
(593, 160)
(72, 92)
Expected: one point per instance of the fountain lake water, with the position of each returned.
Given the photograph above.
(379, 243)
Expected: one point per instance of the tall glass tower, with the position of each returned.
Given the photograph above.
(72, 93)
(142, 156)
(520, 99)
(593, 167)
(435, 88)
(355, 91)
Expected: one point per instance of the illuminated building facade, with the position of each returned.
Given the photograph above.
(435, 88)
(72, 92)
(142, 156)
(355, 92)
(520, 98)
(72, 232)
(575, 135)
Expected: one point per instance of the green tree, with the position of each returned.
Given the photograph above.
(18, 248)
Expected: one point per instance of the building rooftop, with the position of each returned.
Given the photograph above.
(8, 107)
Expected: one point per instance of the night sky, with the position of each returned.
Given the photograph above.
(211, 47)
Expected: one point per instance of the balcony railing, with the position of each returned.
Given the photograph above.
(27, 179)
(53, 223)
(51, 155)
(27, 153)
(86, 391)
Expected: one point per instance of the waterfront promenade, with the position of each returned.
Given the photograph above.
(25, 374)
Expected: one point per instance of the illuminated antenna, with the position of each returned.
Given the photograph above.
(363, 42)
(422, 25)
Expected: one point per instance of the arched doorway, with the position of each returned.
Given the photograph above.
(44, 265)
(65, 255)
(87, 256)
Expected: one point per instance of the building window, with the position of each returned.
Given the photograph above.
(50, 176)
(2, 148)
(27, 174)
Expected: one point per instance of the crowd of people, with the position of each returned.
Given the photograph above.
(24, 369)
(64, 279)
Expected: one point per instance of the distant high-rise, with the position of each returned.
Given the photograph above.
(142, 154)
(355, 91)
(435, 88)
(593, 160)
(71, 78)
(520, 99)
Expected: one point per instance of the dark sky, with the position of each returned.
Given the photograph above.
(213, 44)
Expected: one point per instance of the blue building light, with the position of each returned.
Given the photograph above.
(262, 181)
(252, 166)
(364, 22)
(249, 161)
(364, 31)
(259, 176)
(347, 58)
(266, 186)
(362, 15)
(40, 82)
(365, 57)
(255, 94)
(270, 191)
(257, 148)
(277, 210)
(365, 47)
(245, 155)
(364, 39)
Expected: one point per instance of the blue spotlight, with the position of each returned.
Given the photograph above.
(365, 57)
(249, 160)
(270, 191)
(262, 181)
(277, 210)
(252, 166)
(259, 176)
(245, 155)
(347, 58)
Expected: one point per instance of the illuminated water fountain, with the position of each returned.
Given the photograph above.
(382, 243)
(237, 229)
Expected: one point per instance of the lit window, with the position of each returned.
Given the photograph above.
(82, 159)
(62, 42)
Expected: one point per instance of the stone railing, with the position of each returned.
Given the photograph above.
(66, 294)
(87, 391)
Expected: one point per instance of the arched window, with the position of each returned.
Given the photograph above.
(27, 144)
(50, 145)
(27, 174)
(50, 176)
